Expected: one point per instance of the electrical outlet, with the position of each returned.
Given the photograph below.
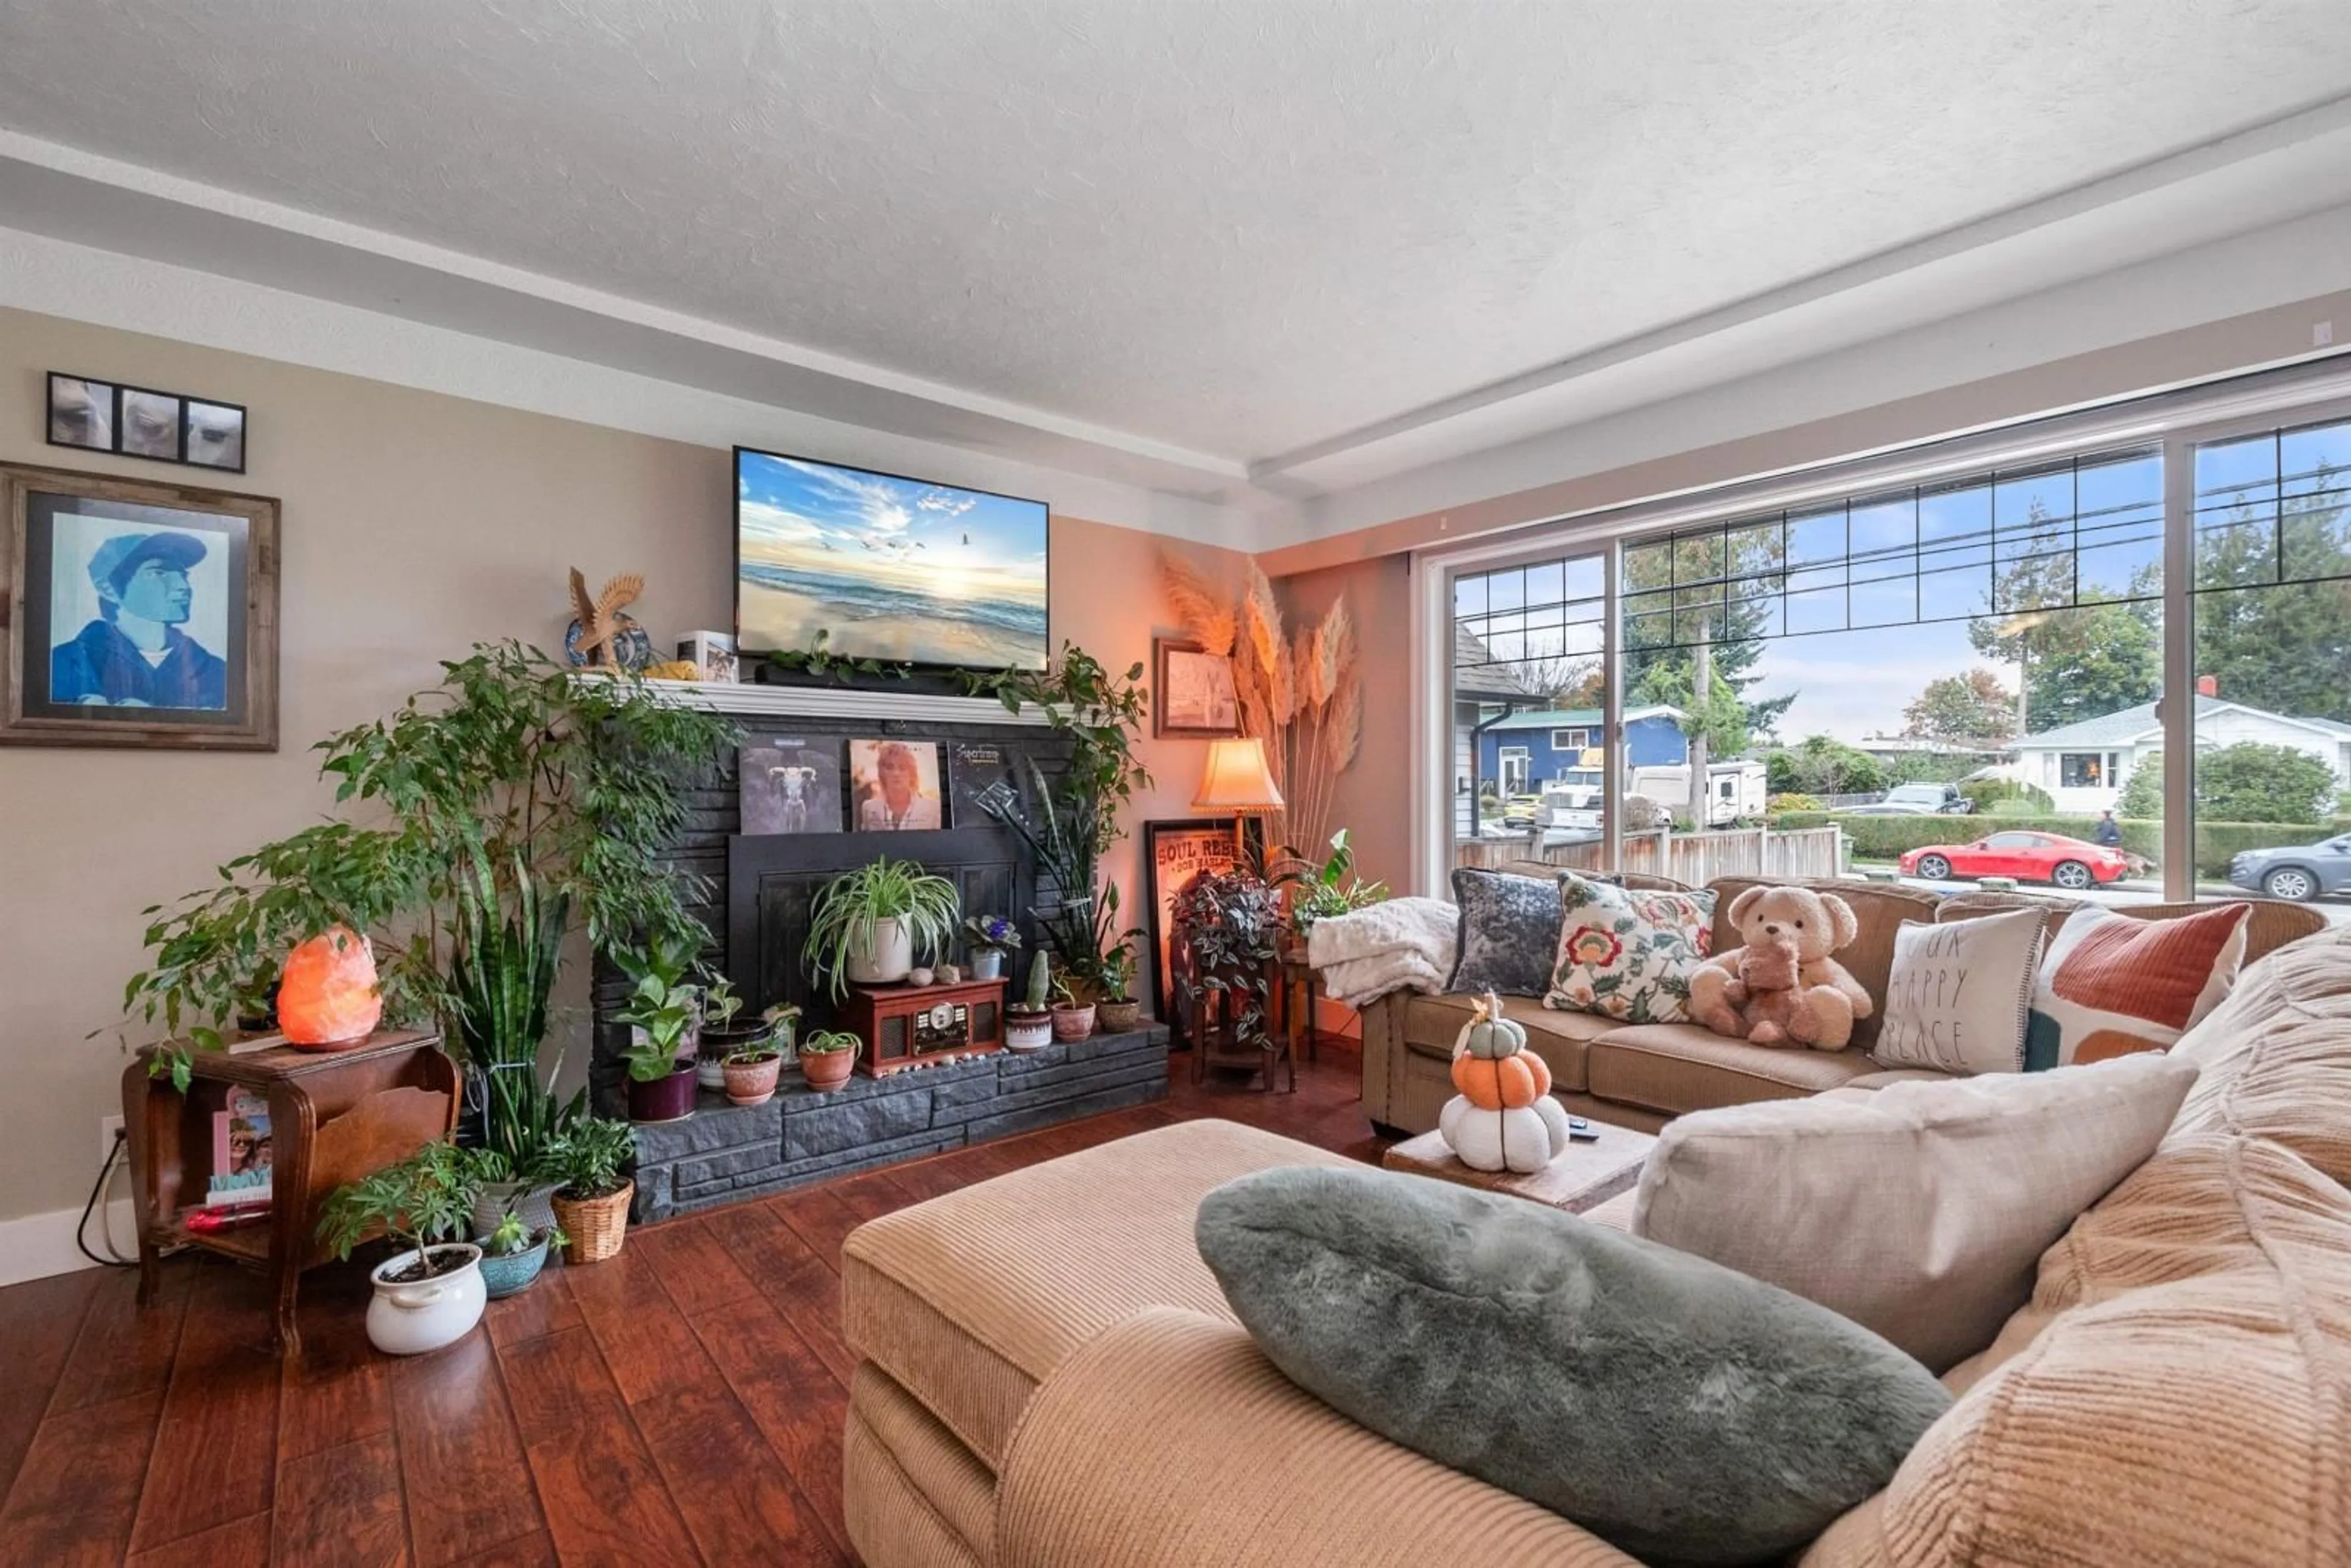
(109, 1128)
(2321, 334)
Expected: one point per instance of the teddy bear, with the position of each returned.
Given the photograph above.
(1784, 988)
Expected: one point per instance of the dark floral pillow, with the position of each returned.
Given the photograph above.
(1627, 955)
(1509, 933)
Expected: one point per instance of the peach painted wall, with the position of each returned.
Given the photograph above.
(1370, 799)
(1106, 598)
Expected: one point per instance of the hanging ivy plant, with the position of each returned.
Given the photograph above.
(818, 659)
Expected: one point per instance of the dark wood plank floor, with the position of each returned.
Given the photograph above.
(680, 1404)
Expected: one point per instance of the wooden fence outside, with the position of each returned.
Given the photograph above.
(1692, 858)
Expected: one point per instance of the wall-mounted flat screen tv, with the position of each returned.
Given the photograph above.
(888, 568)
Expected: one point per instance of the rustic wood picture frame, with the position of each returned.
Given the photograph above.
(30, 500)
(1169, 720)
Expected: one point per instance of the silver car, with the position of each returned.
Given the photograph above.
(2299, 872)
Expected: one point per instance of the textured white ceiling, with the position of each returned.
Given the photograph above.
(1240, 228)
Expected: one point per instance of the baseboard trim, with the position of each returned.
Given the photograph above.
(39, 1245)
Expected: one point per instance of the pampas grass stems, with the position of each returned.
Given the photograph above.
(1302, 694)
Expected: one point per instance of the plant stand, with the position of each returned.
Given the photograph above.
(333, 1118)
(1215, 1036)
(1295, 990)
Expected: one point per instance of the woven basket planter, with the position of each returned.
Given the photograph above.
(595, 1225)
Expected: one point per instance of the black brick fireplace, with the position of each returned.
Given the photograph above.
(757, 911)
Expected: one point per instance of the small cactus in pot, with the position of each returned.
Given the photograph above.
(1029, 1024)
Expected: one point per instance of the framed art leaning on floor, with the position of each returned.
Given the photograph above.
(136, 614)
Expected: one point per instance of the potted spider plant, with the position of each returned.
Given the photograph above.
(430, 1293)
(591, 1207)
(660, 1010)
(513, 1253)
(1029, 1023)
(828, 1057)
(868, 924)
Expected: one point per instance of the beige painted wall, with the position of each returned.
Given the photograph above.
(413, 525)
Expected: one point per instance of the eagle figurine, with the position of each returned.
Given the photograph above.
(600, 633)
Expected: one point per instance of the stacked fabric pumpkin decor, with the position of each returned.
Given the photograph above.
(1504, 1117)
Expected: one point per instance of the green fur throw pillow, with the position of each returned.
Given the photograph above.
(1675, 1408)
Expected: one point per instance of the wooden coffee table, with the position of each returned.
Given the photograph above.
(1587, 1175)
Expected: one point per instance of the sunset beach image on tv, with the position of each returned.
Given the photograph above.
(889, 568)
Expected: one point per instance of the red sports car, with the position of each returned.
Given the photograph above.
(2028, 857)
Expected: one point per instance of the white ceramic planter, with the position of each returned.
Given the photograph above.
(409, 1319)
(1026, 1031)
(887, 959)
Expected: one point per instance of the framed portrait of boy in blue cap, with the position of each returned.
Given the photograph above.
(145, 614)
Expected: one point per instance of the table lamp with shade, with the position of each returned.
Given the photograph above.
(1237, 780)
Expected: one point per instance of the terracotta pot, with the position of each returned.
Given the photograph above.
(716, 1045)
(667, 1098)
(1118, 1017)
(1072, 1021)
(1027, 1030)
(752, 1083)
(826, 1069)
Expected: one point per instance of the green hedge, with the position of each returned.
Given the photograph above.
(1888, 837)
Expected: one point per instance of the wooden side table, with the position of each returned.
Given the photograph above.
(1587, 1175)
(334, 1117)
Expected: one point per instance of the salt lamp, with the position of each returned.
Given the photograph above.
(327, 998)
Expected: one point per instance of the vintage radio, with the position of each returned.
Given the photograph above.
(914, 1026)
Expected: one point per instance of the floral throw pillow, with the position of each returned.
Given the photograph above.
(1628, 954)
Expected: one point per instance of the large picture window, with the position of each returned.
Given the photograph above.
(1904, 677)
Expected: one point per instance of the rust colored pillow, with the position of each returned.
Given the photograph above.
(2110, 984)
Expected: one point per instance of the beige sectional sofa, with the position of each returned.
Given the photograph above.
(1643, 1076)
(1051, 1376)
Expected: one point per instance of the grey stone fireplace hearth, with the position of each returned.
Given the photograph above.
(725, 1152)
(757, 911)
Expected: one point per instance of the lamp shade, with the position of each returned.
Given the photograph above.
(1237, 778)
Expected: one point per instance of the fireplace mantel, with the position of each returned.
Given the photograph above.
(792, 703)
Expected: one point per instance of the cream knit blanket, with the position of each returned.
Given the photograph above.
(1405, 943)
